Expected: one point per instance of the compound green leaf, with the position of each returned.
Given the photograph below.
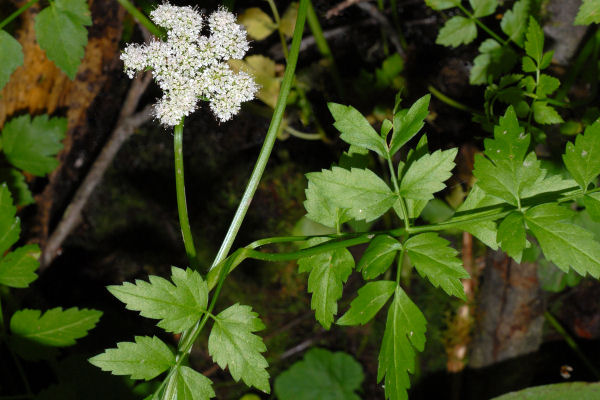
(514, 22)
(178, 306)
(361, 191)
(436, 261)
(145, 359)
(17, 268)
(457, 30)
(404, 332)
(32, 144)
(427, 175)
(507, 172)
(355, 128)
(321, 209)
(545, 114)
(564, 243)
(379, 256)
(512, 236)
(11, 56)
(56, 327)
(483, 8)
(582, 159)
(407, 124)
(493, 61)
(17, 186)
(328, 272)
(321, 375)
(547, 85)
(534, 41)
(528, 65)
(232, 345)
(442, 4)
(371, 298)
(60, 31)
(192, 385)
(589, 13)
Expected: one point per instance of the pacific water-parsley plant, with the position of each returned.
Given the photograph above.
(514, 197)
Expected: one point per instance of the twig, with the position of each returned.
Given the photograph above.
(126, 125)
(335, 11)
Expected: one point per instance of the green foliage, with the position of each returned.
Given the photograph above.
(457, 30)
(582, 158)
(56, 327)
(379, 256)
(589, 13)
(32, 144)
(321, 375)
(508, 170)
(404, 333)
(10, 225)
(512, 236)
(493, 61)
(564, 243)
(60, 31)
(178, 306)
(558, 391)
(514, 22)
(361, 191)
(328, 271)
(407, 123)
(146, 358)
(232, 344)
(483, 8)
(15, 181)
(435, 260)
(355, 128)
(427, 175)
(371, 298)
(11, 57)
(192, 385)
(17, 268)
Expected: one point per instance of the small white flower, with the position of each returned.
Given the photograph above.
(189, 66)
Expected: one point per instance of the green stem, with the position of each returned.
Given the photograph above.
(451, 102)
(482, 26)
(303, 135)
(14, 15)
(399, 266)
(571, 342)
(184, 221)
(323, 47)
(142, 19)
(265, 151)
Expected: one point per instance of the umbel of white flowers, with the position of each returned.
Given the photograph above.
(190, 66)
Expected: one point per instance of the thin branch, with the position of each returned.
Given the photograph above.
(376, 14)
(126, 125)
(335, 11)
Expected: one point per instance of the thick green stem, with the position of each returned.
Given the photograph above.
(184, 222)
(323, 46)
(14, 15)
(265, 151)
(142, 19)
(572, 343)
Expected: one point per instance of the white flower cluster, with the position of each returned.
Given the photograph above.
(189, 66)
